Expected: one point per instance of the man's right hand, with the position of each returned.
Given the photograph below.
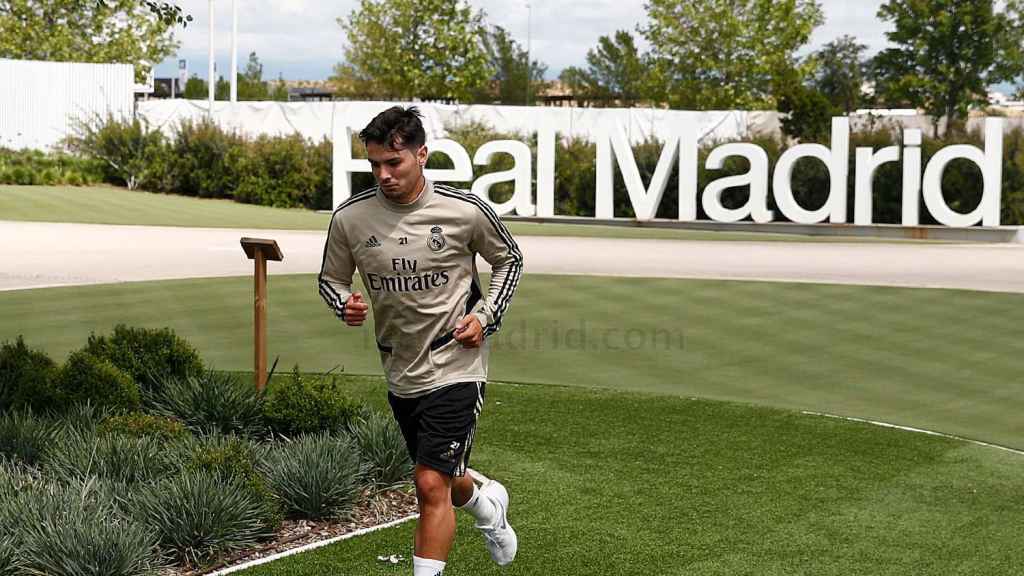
(355, 310)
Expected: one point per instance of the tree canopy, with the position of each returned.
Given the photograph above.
(123, 31)
(726, 54)
(615, 73)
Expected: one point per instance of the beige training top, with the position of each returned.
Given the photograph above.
(418, 264)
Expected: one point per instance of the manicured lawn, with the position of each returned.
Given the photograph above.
(948, 360)
(605, 482)
(110, 205)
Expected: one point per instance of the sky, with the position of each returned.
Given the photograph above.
(301, 39)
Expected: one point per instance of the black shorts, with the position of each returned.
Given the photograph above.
(438, 427)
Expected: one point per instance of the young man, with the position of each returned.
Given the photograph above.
(415, 243)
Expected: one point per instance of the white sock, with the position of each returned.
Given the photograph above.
(426, 567)
(481, 508)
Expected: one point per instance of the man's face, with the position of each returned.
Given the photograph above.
(397, 172)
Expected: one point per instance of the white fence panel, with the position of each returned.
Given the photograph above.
(40, 102)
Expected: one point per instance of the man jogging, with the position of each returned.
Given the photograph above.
(415, 243)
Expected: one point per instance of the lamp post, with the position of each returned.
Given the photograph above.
(210, 80)
(529, 17)
(234, 50)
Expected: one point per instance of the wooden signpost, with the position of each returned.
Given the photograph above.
(261, 250)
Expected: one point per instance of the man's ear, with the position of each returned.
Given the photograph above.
(421, 155)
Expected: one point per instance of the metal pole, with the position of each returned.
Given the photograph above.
(234, 50)
(261, 319)
(210, 80)
(529, 17)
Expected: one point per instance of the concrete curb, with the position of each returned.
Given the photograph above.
(307, 547)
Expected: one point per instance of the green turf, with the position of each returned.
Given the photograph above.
(948, 360)
(613, 483)
(110, 205)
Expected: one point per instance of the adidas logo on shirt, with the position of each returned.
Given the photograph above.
(373, 242)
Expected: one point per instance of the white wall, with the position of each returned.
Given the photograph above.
(315, 119)
(41, 101)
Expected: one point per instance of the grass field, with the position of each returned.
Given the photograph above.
(110, 205)
(947, 360)
(606, 482)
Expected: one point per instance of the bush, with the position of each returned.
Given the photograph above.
(35, 167)
(113, 457)
(27, 378)
(205, 160)
(126, 148)
(199, 516)
(148, 355)
(24, 436)
(76, 530)
(86, 378)
(234, 459)
(315, 476)
(301, 404)
(382, 449)
(279, 172)
(139, 425)
(212, 403)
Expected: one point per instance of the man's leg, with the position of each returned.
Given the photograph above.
(435, 528)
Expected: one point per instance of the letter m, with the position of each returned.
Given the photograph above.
(645, 201)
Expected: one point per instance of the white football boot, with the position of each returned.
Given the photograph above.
(500, 538)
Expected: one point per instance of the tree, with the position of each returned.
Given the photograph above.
(167, 12)
(839, 73)
(512, 83)
(615, 72)
(807, 113)
(946, 54)
(726, 54)
(250, 81)
(196, 89)
(280, 91)
(431, 49)
(76, 31)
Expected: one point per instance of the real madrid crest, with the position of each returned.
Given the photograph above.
(436, 240)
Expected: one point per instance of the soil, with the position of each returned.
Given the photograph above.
(374, 510)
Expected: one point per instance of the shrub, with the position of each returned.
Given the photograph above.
(198, 516)
(301, 404)
(76, 530)
(126, 148)
(85, 377)
(113, 457)
(206, 160)
(24, 436)
(211, 403)
(315, 476)
(27, 378)
(382, 449)
(234, 458)
(147, 354)
(139, 425)
(278, 172)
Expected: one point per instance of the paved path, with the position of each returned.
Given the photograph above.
(46, 254)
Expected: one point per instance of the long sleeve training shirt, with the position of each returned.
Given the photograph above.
(417, 262)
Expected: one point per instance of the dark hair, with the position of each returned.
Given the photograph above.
(397, 128)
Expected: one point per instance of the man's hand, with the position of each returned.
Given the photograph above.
(355, 310)
(469, 332)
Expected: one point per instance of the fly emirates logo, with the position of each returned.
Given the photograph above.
(406, 278)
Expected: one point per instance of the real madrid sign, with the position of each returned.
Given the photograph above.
(680, 153)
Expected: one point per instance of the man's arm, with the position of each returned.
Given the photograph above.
(335, 279)
(492, 240)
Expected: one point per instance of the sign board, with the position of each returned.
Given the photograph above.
(680, 154)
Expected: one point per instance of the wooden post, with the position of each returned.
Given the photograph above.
(261, 250)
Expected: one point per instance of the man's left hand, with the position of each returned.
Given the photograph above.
(469, 332)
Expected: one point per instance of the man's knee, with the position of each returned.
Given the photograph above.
(433, 487)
